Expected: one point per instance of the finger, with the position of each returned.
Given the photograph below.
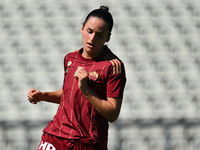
(33, 102)
(35, 94)
(31, 90)
(76, 77)
(30, 94)
(29, 97)
(79, 69)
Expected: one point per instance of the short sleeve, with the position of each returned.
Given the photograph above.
(116, 80)
(65, 62)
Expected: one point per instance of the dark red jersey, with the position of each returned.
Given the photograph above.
(76, 118)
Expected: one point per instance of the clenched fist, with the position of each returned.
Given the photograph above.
(34, 96)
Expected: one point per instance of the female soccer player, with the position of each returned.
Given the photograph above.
(92, 91)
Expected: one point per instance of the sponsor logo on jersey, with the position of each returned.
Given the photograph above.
(93, 75)
(69, 63)
(67, 69)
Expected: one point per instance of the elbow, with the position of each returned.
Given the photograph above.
(113, 118)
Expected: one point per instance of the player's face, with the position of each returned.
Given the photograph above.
(94, 34)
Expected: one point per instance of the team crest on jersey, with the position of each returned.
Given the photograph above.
(93, 75)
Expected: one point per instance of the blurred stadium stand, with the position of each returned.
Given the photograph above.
(158, 41)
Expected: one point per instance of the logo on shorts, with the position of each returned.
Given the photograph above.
(46, 146)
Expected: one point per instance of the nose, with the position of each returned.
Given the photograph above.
(92, 36)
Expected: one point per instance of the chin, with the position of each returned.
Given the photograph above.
(88, 49)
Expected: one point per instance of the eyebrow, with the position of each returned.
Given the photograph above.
(93, 30)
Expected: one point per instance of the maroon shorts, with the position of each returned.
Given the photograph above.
(50, 142)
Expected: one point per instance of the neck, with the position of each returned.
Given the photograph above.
(88, 55)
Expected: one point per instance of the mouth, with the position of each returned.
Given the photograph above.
(90, 45)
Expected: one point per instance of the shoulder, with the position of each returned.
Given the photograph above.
(109, 55)
(115, 64)
(70, 57)
(72, 54)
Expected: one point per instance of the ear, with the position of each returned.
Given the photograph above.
(82, 28)
(108, 37)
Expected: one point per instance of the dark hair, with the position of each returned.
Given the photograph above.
(103, 13)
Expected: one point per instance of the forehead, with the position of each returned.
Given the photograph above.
(96, 23)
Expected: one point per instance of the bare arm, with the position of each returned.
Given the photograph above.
(35, 96)
(109, 108)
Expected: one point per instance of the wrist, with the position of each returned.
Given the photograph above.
(43, 96)
(85, 90)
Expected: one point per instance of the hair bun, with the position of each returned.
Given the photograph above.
(104, 8)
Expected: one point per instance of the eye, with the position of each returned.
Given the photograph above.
(100, 35)
(89, 31)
